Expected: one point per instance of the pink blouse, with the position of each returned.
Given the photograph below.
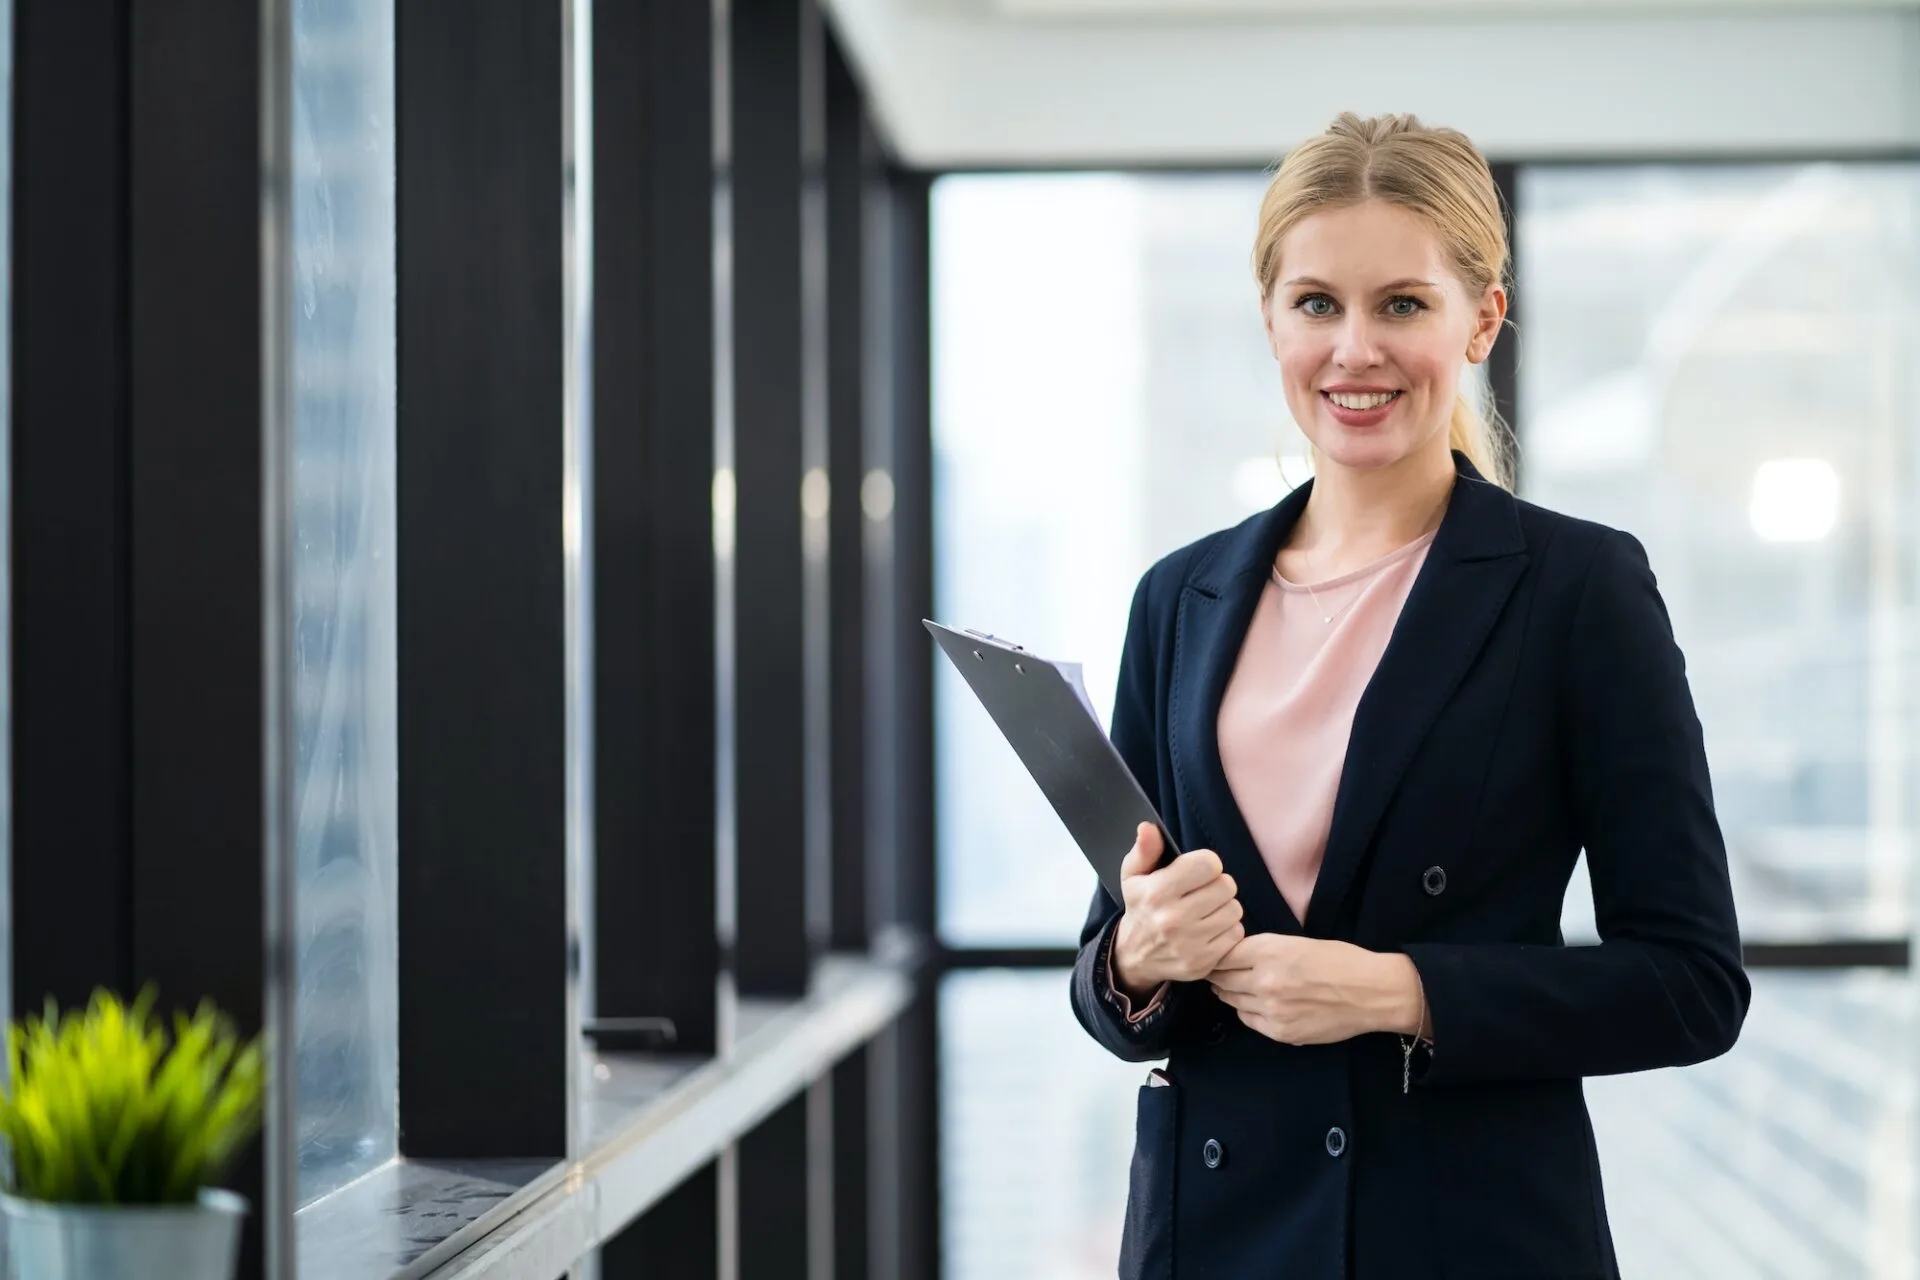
(1288, 712)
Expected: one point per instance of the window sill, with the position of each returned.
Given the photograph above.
(649, 1120)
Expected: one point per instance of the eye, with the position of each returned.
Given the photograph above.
(1317, 305)
(1404, 305)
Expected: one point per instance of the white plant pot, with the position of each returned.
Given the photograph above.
(106, 1242)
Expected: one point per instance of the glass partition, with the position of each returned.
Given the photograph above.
(345, 804)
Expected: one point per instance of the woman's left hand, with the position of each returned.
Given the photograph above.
(1312, 991)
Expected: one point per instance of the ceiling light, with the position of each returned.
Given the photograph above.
(1794, 500)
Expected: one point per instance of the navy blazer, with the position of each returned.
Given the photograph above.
(1531, 703)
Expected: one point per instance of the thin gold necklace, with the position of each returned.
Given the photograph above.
(1314, 596)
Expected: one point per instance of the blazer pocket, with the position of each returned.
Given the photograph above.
(1146, 1241)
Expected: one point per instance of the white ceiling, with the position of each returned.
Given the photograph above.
(991, 83)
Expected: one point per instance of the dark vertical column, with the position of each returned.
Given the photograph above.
(769, 118)
(773, 1195)
(139, 607)
(72, 561)
(849, 147)
(770, 947)
(905, 1060)
(484, 971)
(848, 151)
(656, 950)
(912, 470)
(1503, 365)
(665, 1243)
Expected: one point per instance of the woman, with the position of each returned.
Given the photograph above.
(1386, 717)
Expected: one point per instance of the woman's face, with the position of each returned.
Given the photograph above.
(1370, 325)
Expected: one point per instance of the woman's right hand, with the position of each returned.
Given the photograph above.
(1177, 922)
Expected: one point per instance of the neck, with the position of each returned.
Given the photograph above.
(1376, 509)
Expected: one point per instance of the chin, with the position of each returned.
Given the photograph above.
(1358, 451)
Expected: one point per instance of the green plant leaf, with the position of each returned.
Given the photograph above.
(105, 1107)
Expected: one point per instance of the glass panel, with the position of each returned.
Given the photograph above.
(1103, 394)
(1793, 1156)
(1036, 1129)
(343, 571)
(1721, 360)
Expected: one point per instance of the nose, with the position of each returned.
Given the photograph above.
(1355, 346)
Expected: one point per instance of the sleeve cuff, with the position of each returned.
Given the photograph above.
(1119, 999)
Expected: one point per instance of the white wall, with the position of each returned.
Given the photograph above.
(958, 87)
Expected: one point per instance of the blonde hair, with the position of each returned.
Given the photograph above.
(1434, 172)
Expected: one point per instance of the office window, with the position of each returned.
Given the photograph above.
(1036, 1125)
(1721, 360)
(343, 580)
(1103, 394)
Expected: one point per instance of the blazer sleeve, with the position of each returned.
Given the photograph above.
(1101, 1010)
(1665, 986)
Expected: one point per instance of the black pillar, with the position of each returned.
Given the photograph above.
(656, 952)
(767, 316)
(657, 955)
(137, 433)
(850, 154)
(484, 973)
(905, 1059)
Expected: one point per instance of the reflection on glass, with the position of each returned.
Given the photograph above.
(345, 804)
(1036, 1129)
(1103, 394)
(1721, 360)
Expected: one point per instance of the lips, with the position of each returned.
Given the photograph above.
(1362, 401)
(1360, 410)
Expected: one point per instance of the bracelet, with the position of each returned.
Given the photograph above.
(1409, 1043)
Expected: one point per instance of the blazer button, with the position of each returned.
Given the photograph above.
(1336, 1142)
(1434, 881)
(1213, 1154)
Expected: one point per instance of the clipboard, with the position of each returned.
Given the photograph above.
(1042, 709)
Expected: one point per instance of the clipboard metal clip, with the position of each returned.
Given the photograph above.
(991, 638)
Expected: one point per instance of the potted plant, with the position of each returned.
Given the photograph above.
(116, 1131)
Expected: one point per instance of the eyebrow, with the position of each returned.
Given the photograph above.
(1390, 287)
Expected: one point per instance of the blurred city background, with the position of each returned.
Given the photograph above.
(1721, 358)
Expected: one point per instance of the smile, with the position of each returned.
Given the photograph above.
(1361, 401)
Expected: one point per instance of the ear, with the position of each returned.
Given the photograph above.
(1486, 324)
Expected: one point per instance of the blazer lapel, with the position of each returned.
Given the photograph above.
(1216, 608)
(1476, 559)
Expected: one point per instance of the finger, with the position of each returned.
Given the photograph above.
(1238, 981)
(1222, 918)
(1198, 904)
(1191, 870)
(1145, 854)
(1232, 999)
(1239, 957)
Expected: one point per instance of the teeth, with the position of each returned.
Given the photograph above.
(1349, 401)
